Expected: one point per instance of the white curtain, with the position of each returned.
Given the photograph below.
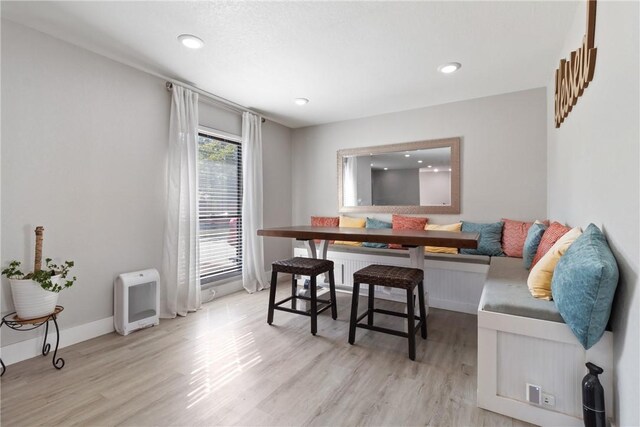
(252, 248)
(350, 181)
(180, 290)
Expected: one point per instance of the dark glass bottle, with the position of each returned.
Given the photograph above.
(593, 398)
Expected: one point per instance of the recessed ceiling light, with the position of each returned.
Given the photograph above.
(449, 169)
(429, 166)
(449, 67)
(371, 164)
(301, 101)
(419, 161)
(191, 41)
(435, 170)
(407, 155)
(386, 169)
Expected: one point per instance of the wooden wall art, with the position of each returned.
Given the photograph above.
(573, 76)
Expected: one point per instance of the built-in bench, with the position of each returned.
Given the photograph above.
(523, 340)
(452, 281)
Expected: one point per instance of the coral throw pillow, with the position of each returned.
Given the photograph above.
(549, 238)
(325, 221)
(541, 276)
(447, 227)
(400, 222)
(514, 234)
(346, 221)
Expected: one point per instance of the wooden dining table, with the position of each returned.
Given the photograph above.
(413, 240)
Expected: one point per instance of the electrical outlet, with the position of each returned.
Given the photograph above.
(534, 393)
(548, 399)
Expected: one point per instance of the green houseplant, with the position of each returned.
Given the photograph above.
(35, 294)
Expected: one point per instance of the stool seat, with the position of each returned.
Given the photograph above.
(302, 266)
(389, 275)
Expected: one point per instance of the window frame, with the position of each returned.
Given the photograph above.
(211, 133)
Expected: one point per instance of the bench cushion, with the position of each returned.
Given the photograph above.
(506, 291)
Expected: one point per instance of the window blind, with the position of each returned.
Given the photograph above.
(219, 207)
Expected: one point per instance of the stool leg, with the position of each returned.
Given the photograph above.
(354, 312)
(371, 297)
(272, 296)
(294, 289)
(314, 306)
(423, 310)
(332, 291)
(411, 327)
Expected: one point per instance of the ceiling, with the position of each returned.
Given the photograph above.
(433, 158)
(351, 59)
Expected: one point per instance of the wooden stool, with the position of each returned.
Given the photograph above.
(395, 277)
(304, 267)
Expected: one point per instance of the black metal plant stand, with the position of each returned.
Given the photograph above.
(17, 324)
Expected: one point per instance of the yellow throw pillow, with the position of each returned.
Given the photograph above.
(539, 281)
(446, 227)
(346, 221)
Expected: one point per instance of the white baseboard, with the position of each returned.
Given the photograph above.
(27, 349)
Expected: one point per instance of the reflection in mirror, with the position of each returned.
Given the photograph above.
(413, 177)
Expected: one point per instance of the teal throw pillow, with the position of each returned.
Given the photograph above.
(584, 283)
(376, 223)
(490, 238)
(534, 235)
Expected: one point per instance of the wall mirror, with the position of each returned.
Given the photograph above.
(413, 177)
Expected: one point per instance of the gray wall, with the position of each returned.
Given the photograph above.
(396, 187)
(84, 144)
(504, 155)
(593, 174)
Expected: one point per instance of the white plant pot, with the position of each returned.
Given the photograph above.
(30, 300)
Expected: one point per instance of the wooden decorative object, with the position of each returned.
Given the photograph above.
(573, 76)
(37, 265)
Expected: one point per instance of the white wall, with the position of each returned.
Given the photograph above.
(593, 174)
(84, 143)
(435, 188)
(504, 158)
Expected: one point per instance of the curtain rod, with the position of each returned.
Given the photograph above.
(218, 100)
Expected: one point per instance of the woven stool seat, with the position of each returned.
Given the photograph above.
(389, 275)
(302, 266)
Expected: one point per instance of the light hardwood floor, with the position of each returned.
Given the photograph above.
(225, 366)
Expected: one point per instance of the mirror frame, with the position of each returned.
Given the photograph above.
(454, 208)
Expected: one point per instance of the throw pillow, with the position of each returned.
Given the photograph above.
(531, 243)
(549, 238)
(401, 222)
(490, 238)
(514, 235)
(539, 281)
(584, 284)
(325, 221)
(447, 227)
(376, 224)
(346, 221)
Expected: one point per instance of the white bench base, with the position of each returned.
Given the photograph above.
(515, 350)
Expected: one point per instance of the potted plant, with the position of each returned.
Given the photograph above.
(35, 294)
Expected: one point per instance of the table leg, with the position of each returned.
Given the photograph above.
(318, 252)
(416, 256)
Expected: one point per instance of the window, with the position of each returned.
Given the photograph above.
(220, 207)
